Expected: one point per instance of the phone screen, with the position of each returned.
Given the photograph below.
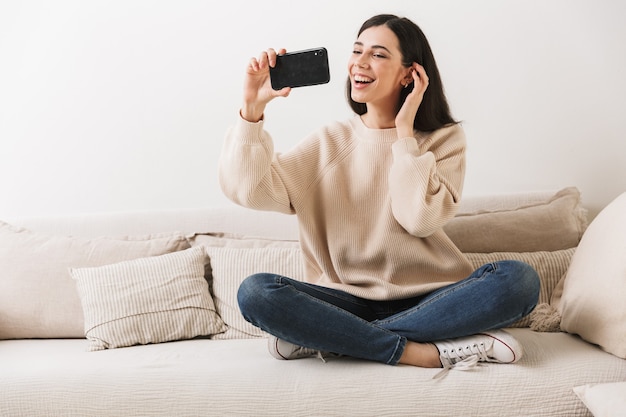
(300, 68)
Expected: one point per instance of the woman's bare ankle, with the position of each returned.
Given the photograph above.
(424, 355)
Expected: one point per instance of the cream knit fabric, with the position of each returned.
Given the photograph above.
(370, 206)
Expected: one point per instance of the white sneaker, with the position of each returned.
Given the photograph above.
(465, 352)
(281, 349)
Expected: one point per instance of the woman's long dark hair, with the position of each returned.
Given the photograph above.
(434, 112)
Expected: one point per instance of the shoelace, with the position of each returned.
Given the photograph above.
(465, 365)
(303, 352)
(473, 355)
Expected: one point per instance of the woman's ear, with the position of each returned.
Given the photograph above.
(406, 81)
(408, 77)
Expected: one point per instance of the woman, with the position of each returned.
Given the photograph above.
(372, 194)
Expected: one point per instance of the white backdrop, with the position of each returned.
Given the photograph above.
(123, 104)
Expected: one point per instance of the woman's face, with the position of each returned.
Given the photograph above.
(376, 72)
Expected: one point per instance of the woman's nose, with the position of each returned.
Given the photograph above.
(360, 61)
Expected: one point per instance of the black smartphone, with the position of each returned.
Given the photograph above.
(300, 68)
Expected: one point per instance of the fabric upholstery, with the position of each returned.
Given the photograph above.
(545, 225)
(592, 304)
(38, 298)
(147, 300)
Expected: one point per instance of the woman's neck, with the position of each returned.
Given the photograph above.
(375, 119)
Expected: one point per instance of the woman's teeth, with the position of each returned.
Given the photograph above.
(362, 79)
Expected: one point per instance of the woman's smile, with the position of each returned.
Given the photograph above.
(360, 81)
(375, 68)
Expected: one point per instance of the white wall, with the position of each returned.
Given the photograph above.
(122, 105)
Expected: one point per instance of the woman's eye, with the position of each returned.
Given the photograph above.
(374, 55)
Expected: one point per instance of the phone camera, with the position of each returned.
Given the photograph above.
(319, 53)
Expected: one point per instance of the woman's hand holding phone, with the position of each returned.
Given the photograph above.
(257, 85)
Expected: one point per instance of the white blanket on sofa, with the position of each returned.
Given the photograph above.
(239, 378)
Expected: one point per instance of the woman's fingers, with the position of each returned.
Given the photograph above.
(266, 59)
(254, 64)
(257, 85)
(410, 107)
(420, 78)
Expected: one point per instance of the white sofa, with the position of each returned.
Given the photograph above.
(193, 355)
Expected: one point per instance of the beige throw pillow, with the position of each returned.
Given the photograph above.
(148, 300)
(604, 400)
(230, 266)
(38, 298)
(554, 224)
(594, 291)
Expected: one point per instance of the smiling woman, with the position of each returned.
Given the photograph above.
(407, 46)
(372, 194)
(378, 76)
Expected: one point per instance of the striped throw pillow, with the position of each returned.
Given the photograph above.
(147, 300)
(550, 267)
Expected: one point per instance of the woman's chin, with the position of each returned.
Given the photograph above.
(357, 98)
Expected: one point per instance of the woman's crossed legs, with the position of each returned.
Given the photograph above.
(396, 331)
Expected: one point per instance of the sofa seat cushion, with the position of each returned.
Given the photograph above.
(239, 377)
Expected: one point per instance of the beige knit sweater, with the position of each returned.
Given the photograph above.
(370, 206)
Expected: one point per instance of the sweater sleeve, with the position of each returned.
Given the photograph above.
(426, 180)
(248, 174)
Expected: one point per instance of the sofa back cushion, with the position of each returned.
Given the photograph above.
(518, 222)
(552, 223)
(38, 298)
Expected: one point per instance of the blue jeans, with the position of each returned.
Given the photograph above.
(329, 320)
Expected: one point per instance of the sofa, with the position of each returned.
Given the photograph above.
(135, 314)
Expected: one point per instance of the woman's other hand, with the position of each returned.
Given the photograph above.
(406, 115)
(257, 88)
